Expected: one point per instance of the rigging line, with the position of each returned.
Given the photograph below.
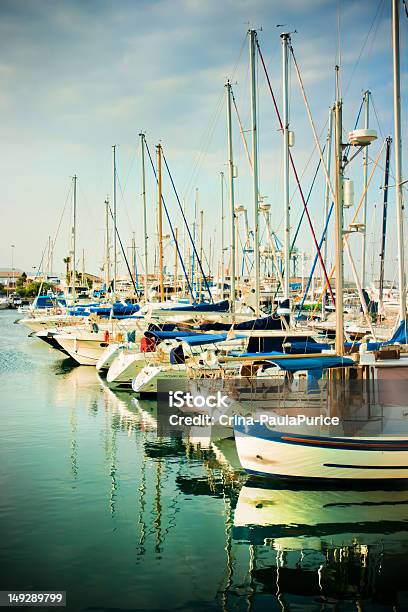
(171, 226)
(376, 115)
(308, 161)
(309, 281)
(188, 229)
(296, 175)
(63, 211)
(303, 213)
(307, 201)
(69, 191)
(363, 47)
(208, 132)
(346, 236)
(125, 258)
(124, 202)
(204, 146)
(347, 149)
(241, 130)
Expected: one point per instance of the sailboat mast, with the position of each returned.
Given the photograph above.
(285, 107)
(146, 271)
(115, 255)
(231, 197)
(365, 181)
(222, 235)
(73, 241)
(255, 189)
(398, 156)
(160, 220)
(83, 266)
(202, 281)
(175, 261)
(384, 221)
(327, 200)
(338, 209)
(107, 247)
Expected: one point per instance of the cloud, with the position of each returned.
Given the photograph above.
(77, 76)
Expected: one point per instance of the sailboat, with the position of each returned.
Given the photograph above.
(377, 446)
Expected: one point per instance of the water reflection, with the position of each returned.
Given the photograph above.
(312, 548)
(97, 492)
(285, 547)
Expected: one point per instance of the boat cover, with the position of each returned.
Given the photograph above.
(222, 306)
(169, 335)
(269, 323)
(197, 339)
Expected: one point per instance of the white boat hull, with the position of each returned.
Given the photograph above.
(278, 457)
(85, 351)
(108, 357)
(125, 368)
(147, 379)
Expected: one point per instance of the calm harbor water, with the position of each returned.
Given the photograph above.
(94, 503)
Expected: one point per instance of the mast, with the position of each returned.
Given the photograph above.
(160, 220)
(231, 197)
(146, 271)
(83, 266)
(107, 247)
(222, 235)
(365, 180)
(252, 59)
(115, 255)
(384, 221)
(175, 260)
(201, 250)
(285, 118)
(134, 263)
(327, 198)
(73, 241)
(398, 156)
(338, 209)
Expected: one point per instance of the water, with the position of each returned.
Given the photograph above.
(93, 503)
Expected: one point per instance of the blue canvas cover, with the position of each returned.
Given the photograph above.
(169, 335)
(222, 306)
(197, 339)
(268, 323)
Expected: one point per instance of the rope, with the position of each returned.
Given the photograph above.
(171, 227)
(309, 280)
(188, 229)
(353, 220)
(296, 177)
(125, 258)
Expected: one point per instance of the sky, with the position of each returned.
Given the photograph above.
(79, 76)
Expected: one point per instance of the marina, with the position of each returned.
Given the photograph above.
(205, 377)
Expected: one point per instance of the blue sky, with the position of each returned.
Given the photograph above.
(77, 77)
